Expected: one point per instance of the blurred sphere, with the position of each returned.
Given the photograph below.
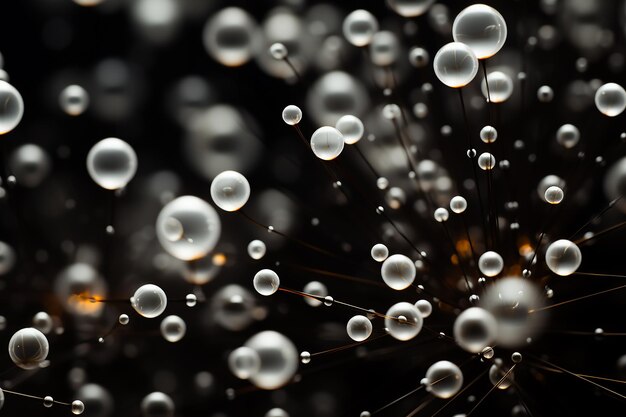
(497, 371)
(351, 128)
(30, 164)
(97, 400)
(334, 95)
(266, 282)
(157, 404)
(458, 204)
(403, 321)
(545, 94)
(444, 379)
(547, 182)
(112, 163)
(500, 87)
(149, 301)
(482, 28)
(77, 286)
(43, 322)
(276, 412)
(74, 100)
(510, 301)
(244, 362)
(292, 115)
(230, 37)
(419, 57)
(279, 359)
(424, 307)
(398, 272)
(410, 8)
(568, 136)
(490, 263)
(188, 228)
(173, 328)
(379, 252)
(441, 215)
(200, 271)
(315, 288)
(327, 143)
(12, 108)
(28, 348)
(230, 190)
(384, 48)
(359, 328)
(232, 307)
(563, 257)
(611, 99)
(554, 195)
(615, 182)
(455, 65)
(475, 329)
(256, 249)
(488, 134)
(278, 51)
(7, 258)
(359, 27)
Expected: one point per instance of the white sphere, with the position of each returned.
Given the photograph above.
(292, 115)
(475, 329)
(490, 263)
(410, 8)
(74, 100)
(611, 99)
(112, 163)
(230, 36)
(12, 108)
(230, 190)
(28, 348)
(359, 328)
(149, 301)
(425, 308)
(244, 362)
(455, 65)
(482, 28)
(458, 204)
(568, 136)
(441, 215)
(327, 143)
(403, 321)
(563, 257)
(398, 272)
(256, 249)
(266, 282)
(444, 379)
(488, 134)
(157, 404)
(279, 359)
(500, 87)
(173, 328)
(351, 127)
(359, 27)
(554, 195)
(379, 252)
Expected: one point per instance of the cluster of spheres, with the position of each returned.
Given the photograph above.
(251, 209)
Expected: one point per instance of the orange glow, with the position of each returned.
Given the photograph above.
(219, 259)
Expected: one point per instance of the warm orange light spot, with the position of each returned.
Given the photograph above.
(464, 248)
(219, 259)
(85, 303)
(525, 249)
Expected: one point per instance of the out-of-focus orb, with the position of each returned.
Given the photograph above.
(351, 127)
(188, 228)
(334, 95)
(424, 307)
(419, 57)
(112, 163)
(500, 87)
(497, 371)
(359, 27)
(490, 263)
(568, 136)
(278, 51)
(97, 400)
(403, 321)
(279, 359)
(232, 308)
(563, 257)
(28, 348)
(611, 99)
(30, 164)
(455, 64)
(315, 288)
(398, 272)
(43, 322)
(384, 48)
(80, 289)
(359, 328)
(74, 100)
(11, 109)
(266, 282)
(443, 379)
(230, 36)
(157, 404)
(327, 143)
(149, 301)
(256, 249)
(475, 329)
(244, 362)
(410, 8)
(7, 258)
(482, 28)
(230, 190)
(173, 328)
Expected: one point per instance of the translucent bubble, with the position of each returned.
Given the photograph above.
(315, 288)
(112, 163)
(230, 190)
(244, 362)
(200, 225)
(43, 322)
(230, 37)
(74, 100)
(458, 204)
(611, 99)
(487, 352)
(278, 51)
(327, 143)
(497, 371)
(490, 263)
(256, 249)
(157, 404)
(292, 115)
(392, 111)
(546, 182)
(7, 258)
(444, 379)
(28, 348)
(568, 136)
(233, 308)
(482, 28)
(379, 252)
(510, 301)
(563, 257)
(359, 328)
(382, 183)
(398, 272)
(424, 307)
(410, 8)
(279, 359)
(486, 161)
(455, 65)
(419, 57)
(30, 164)
(441, 215)
(149, 301)
(77, 286)
(77, 407)
(516, 357)
(334, 95)
(488, 134)
(305, 357)
(500, 87)
(173, 328)
(276, 412)
(123, 319)
(48, 401)
(97, 400)
(474, 329)
(554, 195)
(545, 94)
(351, 128)
(266, 282)
(403, 321)
(12, 107)
(359, 27)
(384, 48)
